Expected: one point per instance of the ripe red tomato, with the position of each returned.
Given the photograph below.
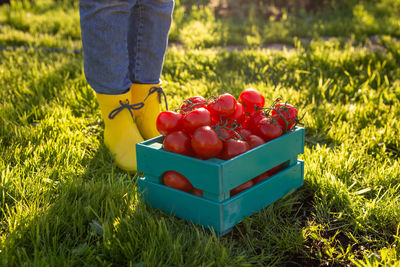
(274, 170)
(234, 147)
(254, 141)
(178, 142)
(195, 119)
(178, 181)
(214, 122)
(251, 98)
(241, 188)
(205, 142)
(265, 175)
(252, 122)
(244, 132)
(197, 192)
(262, 177)
(224, 134)
(238, 116)
(168, 122)
(223, 107)
(192, 103)
(289, 114)
(268, 129)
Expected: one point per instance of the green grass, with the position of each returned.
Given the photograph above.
(56, 23)
(63, 201)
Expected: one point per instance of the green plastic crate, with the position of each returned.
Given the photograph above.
(217, 177)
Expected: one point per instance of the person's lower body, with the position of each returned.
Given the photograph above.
(124, 43)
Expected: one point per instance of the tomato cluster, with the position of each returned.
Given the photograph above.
(222, 126)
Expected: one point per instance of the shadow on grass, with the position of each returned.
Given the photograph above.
(275, 233)
(97, 219)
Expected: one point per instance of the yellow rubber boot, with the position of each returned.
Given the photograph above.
(150, 95)
(121, 133)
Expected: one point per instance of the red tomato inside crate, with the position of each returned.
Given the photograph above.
(168, 122)
(205, 143)
(285, 116)
(222, 107)
(195, 119)
(251, 98)
(178, 181)
(178, 142)
(197, 192)
(241, 188)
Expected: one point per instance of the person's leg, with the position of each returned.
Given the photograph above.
(148, 38)
(104, 26)
(147, 42)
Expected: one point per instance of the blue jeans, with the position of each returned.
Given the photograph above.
(124, 42)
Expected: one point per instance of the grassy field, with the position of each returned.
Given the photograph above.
(63, 202)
